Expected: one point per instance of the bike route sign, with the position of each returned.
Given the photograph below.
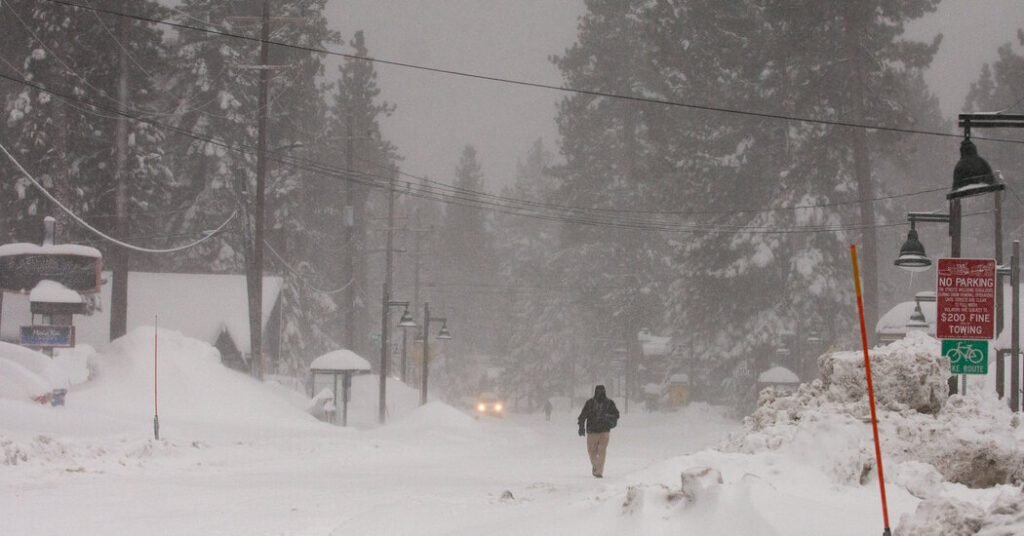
(966, 299)
(966, 357)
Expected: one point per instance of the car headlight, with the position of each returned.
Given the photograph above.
(481, 407)
(497, 407)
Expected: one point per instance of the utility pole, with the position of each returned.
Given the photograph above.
(119, 290)
(385, 347)
(255, 280)
(1015, 329)
(348, 255)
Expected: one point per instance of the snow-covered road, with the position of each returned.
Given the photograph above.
(435, 472)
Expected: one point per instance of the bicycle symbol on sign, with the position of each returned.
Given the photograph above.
(966, 352)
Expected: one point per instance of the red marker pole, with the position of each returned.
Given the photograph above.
(871, 390)
(156, 413)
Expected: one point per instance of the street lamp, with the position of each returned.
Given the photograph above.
(917, 321)
(443, 334)
(405, 322)
(972, 176)
(912, 255)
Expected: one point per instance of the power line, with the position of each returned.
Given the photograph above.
(301, 277)
(443, 186)
(471, 200)
(96, 231)
(538, 85)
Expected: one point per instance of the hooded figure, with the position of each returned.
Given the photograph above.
(598, 417)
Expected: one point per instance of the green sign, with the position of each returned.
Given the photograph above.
(966, 357)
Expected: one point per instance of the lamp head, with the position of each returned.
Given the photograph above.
(443, 334)
(912, 256)
(406, 321)
(917, 319)
(972, 174)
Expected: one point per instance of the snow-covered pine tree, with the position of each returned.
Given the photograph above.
(353, 123)
(616, 270)
(68, 142)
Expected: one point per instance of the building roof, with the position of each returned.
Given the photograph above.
(340, 360)
(654, 345)
(894, 321)
(200, 306)
(778, 375)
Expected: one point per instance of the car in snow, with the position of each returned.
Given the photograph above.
(489, 404)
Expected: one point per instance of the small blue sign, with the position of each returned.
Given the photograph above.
(48, 336)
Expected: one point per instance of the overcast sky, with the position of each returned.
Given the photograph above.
(438, 114)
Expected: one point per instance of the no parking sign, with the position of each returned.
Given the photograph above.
(966, 299)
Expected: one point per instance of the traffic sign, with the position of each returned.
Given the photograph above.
(966, 357)
(966, 298)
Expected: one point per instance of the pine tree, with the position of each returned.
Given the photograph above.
(67, 142)
(216, 86)
(369, 161)
(1000, 87)
(607, 145)
(539, 348)
(467, 270)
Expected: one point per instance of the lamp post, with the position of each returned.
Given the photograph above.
(405, 322)
(972, 176)
(442, 334)
(1013, 271)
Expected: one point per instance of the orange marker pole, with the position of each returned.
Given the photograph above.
(871, 389)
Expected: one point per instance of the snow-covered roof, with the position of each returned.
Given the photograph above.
(25, 248)
(894, 321)
(679, 378)
(340, 360)
(778, 375)
(653, 344)
(198, 305)
(47, 291)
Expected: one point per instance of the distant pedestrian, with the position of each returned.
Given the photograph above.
(547, 409)
(598, 417)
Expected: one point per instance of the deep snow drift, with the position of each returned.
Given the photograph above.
(802, 464)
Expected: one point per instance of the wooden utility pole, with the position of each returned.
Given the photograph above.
(385, 345)
(119, 290)
(255, 280)
(348, 253)
(254, 275)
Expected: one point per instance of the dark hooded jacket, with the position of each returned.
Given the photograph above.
(599, 413)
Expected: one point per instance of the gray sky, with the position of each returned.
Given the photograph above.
(437, 114)
(972, 32)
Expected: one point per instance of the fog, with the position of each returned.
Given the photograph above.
(683, 210)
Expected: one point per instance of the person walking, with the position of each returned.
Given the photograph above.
(598, 417)
(547, 409)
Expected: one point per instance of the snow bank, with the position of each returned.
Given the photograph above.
(19, 382)
(198, 396)
(961, 455)
(999, 512)
(435, 416)
(69, 366)
(907, 374)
